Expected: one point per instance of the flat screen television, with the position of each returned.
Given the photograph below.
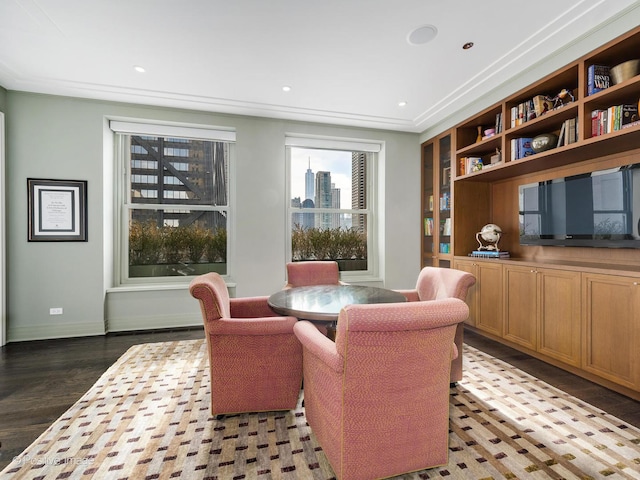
(596, 209)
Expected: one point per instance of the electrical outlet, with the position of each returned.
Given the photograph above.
(55, 311)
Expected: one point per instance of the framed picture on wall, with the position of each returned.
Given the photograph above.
(57, 210)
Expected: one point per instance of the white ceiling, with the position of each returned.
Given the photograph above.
(348, 62)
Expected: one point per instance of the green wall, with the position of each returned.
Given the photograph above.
(67, 138)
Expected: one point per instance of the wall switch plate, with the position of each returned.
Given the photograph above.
(55, 311)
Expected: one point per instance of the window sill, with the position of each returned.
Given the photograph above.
(152, 287)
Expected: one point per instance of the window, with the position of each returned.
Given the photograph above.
(174, 201)
(332, 203)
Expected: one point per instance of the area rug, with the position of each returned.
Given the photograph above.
(148, 417)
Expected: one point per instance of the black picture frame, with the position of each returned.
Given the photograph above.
(57, 210)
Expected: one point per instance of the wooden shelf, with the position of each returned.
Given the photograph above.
(594, 147)
(579, 281)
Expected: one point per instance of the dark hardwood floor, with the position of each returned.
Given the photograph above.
(40, 380)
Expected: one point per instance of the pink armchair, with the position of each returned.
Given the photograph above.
(254, 357)
(377, 399)
(300, 274)
(436, 283)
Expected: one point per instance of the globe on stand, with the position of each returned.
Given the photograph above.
(491, 234)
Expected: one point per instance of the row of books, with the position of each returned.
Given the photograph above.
(445, 226)
(521, 147)
(568, 132)
(445, 202)
(612, 119)
(499, 126)
(469, 164)
(598, 78)
(489, 254)
(530, 109)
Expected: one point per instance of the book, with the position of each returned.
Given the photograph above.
(562, 134)
(473, 164)
(598, 78)
(571, 132)
(489, 254)
(629, 114)
(632, 124)
(596, 127)
(428, 226)
(446, 228)
(541, 105)
(523, 148)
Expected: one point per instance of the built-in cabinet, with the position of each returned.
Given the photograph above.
(542, 310)
(437, 202)
(585, 321)
(485, 297)
(612, 328)
(576, 307)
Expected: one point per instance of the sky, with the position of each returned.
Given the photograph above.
(336, 162)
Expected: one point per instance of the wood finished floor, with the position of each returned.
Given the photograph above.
(40, 380)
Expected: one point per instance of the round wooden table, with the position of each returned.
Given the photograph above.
(322, 303)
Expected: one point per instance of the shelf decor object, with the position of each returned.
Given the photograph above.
(57, 210)
(491, 234)
(625, 71)
(543, 142)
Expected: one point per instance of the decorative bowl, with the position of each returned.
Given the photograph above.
(624, 71)
(543, 142)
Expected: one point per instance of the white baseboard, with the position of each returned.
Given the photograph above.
(152, 322)
(57, 330)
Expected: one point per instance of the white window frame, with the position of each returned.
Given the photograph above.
(372, 212)
(121, 184)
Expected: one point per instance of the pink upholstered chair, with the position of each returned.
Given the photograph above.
(435, 283)
(255, 359)
(377, 399)
(300, 274)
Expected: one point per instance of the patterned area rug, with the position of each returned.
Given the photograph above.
(148, 417)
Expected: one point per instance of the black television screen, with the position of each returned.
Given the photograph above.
(596, 209)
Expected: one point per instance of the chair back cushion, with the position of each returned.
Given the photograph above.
(395, 386)
(435, 283)
(212, 292)
(300, 274)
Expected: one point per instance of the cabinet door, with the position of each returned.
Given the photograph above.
(437, 201)
(428, 211)
(445, 201)
(489, 297)
(470, 267)
(559, 315)
(612, 338)
(521, 305)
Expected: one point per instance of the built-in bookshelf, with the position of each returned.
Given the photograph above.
(496, 144)
(551, 297)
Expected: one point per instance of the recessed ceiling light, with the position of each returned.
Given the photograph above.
(467, 45)
(402, 103)
(421, 35)
(286, 88)
(139, 69)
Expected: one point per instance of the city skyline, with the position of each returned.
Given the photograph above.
(338, 163)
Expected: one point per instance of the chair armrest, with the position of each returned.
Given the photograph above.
(252, 326)
(411, 295)
(250, 307)
(318, 345)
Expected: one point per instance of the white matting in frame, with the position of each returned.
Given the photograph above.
(57, 210)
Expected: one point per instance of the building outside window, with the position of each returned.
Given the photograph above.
(174, 202)
(331, 202)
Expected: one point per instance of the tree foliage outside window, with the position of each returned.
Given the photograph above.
(176, 206)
